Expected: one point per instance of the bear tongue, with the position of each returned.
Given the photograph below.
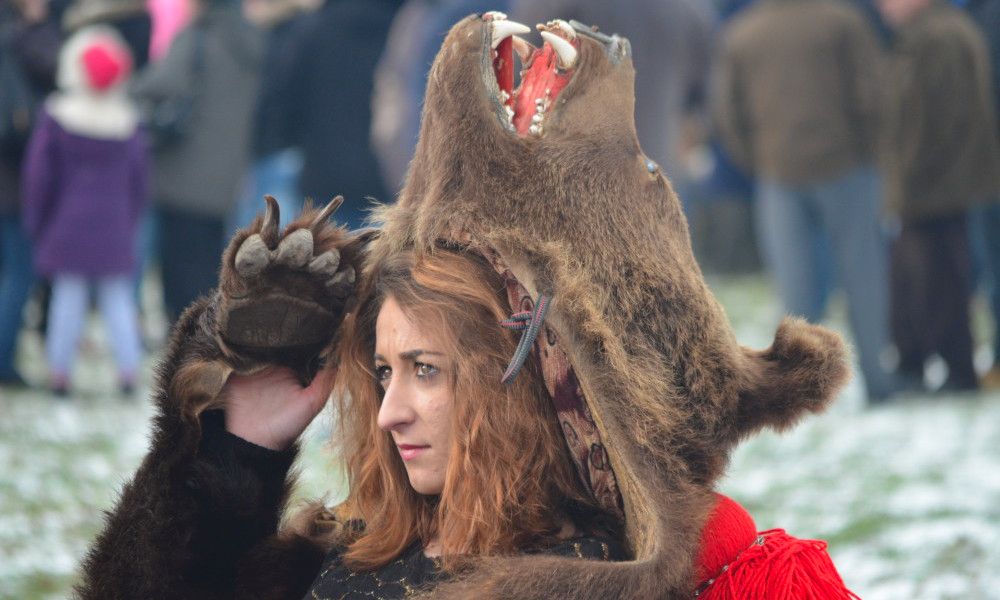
(540, 85)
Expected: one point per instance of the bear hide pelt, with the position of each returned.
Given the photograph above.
(550, 182)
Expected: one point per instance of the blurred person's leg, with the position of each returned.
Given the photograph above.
(949, 322)
(146, 244)
(118, 309)
(246, 203)
(189, 258)
(278, 175)
(991, 235)
(909, 287)
(275, 175)
(787, 230)
(43, 293)
(984, 235)
(851, 215)
(67, 312)
(16, 280)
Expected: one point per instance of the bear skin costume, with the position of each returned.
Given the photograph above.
(549, 184)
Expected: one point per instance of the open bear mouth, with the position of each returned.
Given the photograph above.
(544, 71)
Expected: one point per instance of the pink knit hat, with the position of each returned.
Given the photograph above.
(105, 63)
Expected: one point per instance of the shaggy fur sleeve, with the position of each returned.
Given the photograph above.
(201, 513)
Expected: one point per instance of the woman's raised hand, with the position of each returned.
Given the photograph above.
(271, 408)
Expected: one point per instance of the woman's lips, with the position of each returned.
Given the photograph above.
(410, 451)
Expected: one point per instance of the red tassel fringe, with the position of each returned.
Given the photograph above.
(778, 566)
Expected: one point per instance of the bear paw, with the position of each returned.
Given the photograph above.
(284, 294)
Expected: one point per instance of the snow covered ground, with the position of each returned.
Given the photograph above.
(907, 495)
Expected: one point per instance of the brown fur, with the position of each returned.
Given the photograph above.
(576, 214)
(182, 529)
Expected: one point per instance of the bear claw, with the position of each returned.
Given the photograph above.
(325, 264)
(296, 249)
(252, 257)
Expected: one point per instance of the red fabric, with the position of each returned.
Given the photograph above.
(105, 64)
(541, 80)
(729, 530)
(736, 563)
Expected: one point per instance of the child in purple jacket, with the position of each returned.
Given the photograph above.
(84, 188)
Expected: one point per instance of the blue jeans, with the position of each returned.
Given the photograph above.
(984, 234)
(16, 280)
(806, 231)
(277, 175)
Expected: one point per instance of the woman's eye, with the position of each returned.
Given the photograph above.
(383, 373)
(426, 370)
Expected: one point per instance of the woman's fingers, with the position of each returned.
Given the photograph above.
(319, 390)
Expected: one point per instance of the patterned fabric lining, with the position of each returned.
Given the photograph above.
(590, 457)
(578, 426)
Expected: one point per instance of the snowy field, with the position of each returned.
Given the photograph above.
(907, 495)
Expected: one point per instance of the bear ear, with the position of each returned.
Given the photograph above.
(800, 373)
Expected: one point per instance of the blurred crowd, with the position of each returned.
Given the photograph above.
(853, 143)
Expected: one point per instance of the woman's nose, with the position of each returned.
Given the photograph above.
(395, 410)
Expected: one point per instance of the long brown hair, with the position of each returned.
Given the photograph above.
(509, 483)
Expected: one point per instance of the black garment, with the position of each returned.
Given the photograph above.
(413, 569)
(236, 486)
(332, 91)
(137, 31)
(275, 114)
(931, 287)
(28, 56)
(189, 249)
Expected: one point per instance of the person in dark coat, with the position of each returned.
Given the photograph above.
(332, 91)
(276, 159)
(401, 77)
(941, 157)
(29, 44)
(84, 188)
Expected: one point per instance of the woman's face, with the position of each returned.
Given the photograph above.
(415, 376)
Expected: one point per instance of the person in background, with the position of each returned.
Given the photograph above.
(84, 188)
(941, 158)
(985, 223)
(215, 62)
(331, 93)
(796, 104)
(401, 77)
(277, 162)
(29, 44)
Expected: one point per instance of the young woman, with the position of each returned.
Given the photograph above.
(445, 462)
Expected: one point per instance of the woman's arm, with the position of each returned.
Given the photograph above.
(204, 505)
